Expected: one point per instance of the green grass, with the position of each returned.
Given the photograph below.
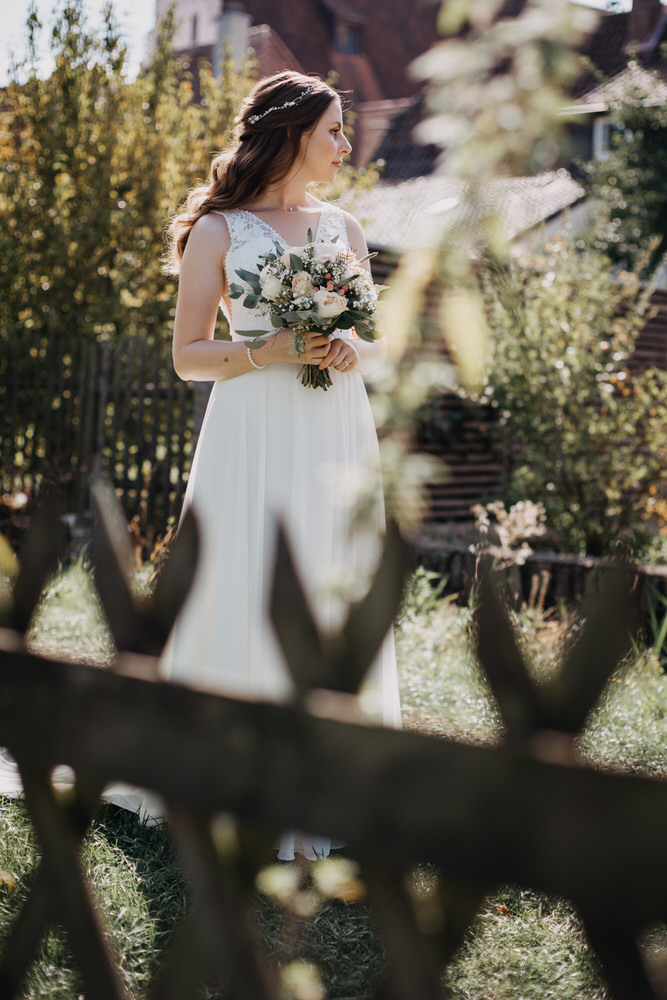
(522, 945)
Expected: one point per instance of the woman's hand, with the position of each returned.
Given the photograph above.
(280, 347)
(340, 355)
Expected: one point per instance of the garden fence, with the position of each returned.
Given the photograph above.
(525, 811)
(76, 408)
(73, 408)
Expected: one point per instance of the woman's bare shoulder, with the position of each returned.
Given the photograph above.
(209, 237)
(212, 226)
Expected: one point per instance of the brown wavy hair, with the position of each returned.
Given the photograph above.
(264, 150)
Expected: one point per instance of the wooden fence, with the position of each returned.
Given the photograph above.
(71, 409)
(525, 811)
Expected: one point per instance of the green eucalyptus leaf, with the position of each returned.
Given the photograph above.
(250, 278)
(235, 291)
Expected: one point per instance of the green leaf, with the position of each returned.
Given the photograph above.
(299, 315)
(295, 262)
(251, 279)
(235, 291)
(250, 301)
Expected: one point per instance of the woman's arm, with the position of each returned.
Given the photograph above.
(196, 355)
(371, 355)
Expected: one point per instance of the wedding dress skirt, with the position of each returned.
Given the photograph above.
(273, 451)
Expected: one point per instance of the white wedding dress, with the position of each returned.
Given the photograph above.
(271, 448)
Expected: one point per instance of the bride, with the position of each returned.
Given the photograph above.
(271, 448)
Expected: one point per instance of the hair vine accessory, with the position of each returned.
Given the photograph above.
(281, 107)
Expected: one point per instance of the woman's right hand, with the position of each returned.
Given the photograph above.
(281, 347)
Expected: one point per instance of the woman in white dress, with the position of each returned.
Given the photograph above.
(270, 447)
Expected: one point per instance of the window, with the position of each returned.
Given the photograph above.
(603, 130)
(346, 38)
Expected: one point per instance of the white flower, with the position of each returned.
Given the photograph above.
(301, 284)
(291, 251)
(272, 287)
(329, 304)
(326, 251)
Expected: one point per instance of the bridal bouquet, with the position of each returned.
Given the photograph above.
(312, 287)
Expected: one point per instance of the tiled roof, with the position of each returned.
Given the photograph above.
(616, 34)
(414, 213)
(375, 119)
(402, 154)
(633, 76)
(270, 51)
(393, 33)
(356, 77)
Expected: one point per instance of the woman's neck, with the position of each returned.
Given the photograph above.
(283, 198)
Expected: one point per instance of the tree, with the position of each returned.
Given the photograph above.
(628, 187)
(92, 167)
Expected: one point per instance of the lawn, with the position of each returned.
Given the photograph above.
(523, 945)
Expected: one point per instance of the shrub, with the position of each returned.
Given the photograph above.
(588, 434)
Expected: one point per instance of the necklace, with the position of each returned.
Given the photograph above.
(279, 208)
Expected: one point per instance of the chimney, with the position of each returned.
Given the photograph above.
(233, 25)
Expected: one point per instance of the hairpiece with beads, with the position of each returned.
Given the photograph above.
(253, 119)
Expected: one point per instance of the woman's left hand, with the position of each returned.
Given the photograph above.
(340, 356)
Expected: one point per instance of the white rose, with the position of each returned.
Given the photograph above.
(301, 284)
(272, 287)
(295, 251)
(326, 251)
(329, 304)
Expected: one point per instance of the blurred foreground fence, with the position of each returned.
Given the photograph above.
(523, 812)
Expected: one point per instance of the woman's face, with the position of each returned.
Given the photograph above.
(323, 149)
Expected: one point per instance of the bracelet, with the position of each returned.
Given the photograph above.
(252, 360)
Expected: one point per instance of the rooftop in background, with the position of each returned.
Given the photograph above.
(369, 46)
(416, 212)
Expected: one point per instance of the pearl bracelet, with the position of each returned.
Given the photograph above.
(252, 360)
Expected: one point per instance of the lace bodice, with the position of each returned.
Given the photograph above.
(251, 236)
